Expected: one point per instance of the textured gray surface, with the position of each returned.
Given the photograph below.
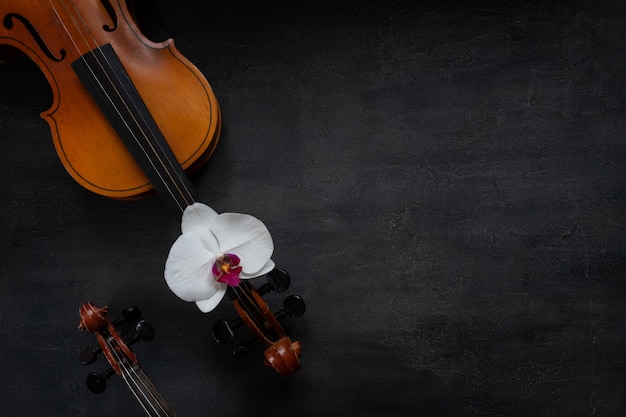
(444, 182)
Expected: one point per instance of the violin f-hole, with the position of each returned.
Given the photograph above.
(8, 23)
(111, 12)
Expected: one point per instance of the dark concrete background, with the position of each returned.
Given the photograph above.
(443, 180)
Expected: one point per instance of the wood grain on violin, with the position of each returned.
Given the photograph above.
(117, 96)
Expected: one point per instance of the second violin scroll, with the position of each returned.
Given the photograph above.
(122, 360)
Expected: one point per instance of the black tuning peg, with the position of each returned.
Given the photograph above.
(97, 382)
(293, 307)
(89, 355)
(224, 330)
(278, 280)
(143, 331)
(130, 313)
(246, 348)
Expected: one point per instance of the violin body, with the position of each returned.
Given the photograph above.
(55, 34)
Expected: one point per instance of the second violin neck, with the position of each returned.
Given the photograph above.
(147, 395)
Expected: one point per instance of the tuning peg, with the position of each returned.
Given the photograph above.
(224, 330)
(143, 331)
(245, 349)
(278, 280)
(130, 313)
(88, 355)
(293, 307)
(97, 382)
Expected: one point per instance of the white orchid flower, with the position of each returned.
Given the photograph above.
(215, 251)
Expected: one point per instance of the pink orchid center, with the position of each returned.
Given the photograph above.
(226, 269)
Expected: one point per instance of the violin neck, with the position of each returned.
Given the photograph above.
(104, 76)
(146, 393)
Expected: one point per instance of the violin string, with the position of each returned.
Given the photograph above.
(249, 304)
(140, 390)
(146, 393)
(150, 397)
(185, 194)
(121, 362)
(244, 302)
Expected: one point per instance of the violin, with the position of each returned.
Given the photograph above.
(131, 118)
(122, 360)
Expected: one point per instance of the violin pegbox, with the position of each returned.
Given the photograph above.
(280, 352)
(110, 343)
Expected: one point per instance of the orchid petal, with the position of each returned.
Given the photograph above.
(267, 268)
(207, 305)
(197, 216)
(246, 236)
(188, 269)
(208, 241)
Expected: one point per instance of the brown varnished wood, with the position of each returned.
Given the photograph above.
(281, 353)
(176, 93)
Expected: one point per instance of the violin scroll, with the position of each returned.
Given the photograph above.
(281, 353)
(94, 319)
(123, 362)
(283, 356)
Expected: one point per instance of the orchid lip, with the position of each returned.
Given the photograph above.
(226, 269)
